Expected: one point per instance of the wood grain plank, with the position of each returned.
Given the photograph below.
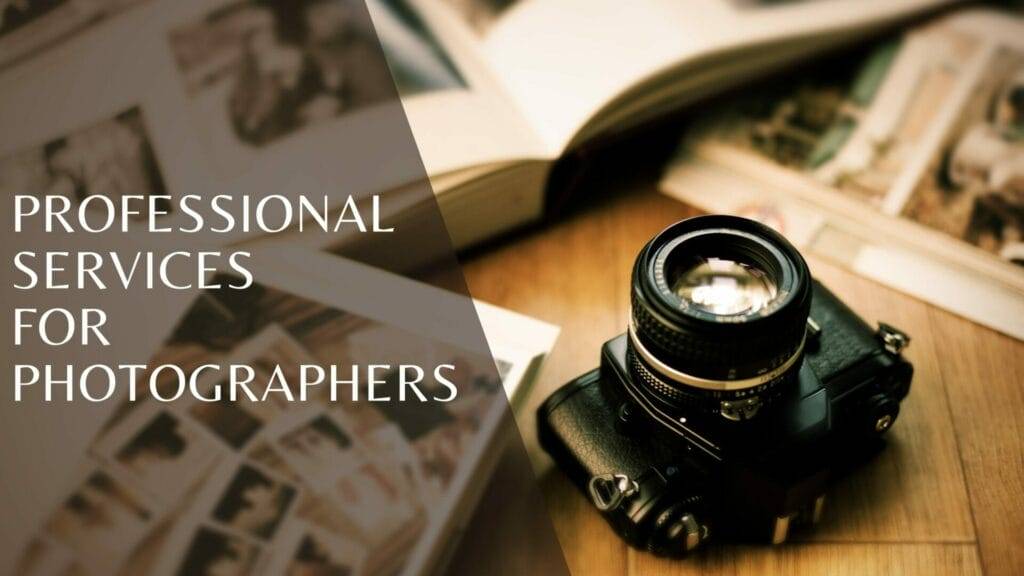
(831, 559)
(984, 376)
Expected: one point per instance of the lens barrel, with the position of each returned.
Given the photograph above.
(719, 313)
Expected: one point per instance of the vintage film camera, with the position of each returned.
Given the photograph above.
(739, 389)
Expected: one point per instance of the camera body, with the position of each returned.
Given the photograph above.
(667, 474)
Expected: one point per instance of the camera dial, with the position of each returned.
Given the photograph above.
(719, 313)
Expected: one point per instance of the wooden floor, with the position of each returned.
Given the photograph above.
(946, 497)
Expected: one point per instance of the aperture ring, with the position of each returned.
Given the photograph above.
(648, 380)
(709, 384)
(647, 383)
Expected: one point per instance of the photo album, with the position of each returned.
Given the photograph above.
(902, 161)
(286, 477)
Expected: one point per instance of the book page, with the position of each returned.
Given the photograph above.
(564, 61)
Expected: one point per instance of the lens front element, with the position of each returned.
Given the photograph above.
(724, 287)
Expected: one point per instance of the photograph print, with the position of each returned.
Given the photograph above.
(101, 521)
(314, 552)
(113, 157)
(254, 503)
(28, 27)
(317, 447)
(973, 188)
(257, 71)
(907, 126)
(159, 451)
(216, 552)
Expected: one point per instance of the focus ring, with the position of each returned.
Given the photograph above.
(718, 355)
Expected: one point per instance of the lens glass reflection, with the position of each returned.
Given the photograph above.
(724, 287)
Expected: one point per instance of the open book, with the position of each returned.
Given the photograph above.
(543, 77)
(495, 90)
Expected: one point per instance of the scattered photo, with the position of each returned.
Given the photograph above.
(442, 449)
(102, 521)
(373, 494)
(973, 187)
(907, 126)
(371, 500)
(854, 124)
(401, 461)
(254, 502)
(236, 517)
(316, 445)
(305, 550)
(275, 358)
(216, 552)
(264, 455)
(439, 434)
(272, 351)
(159, 452)
(230, 420)
(258, 71)
(112, 158)
(29, 26)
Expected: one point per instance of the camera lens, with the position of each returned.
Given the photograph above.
(719, 312)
